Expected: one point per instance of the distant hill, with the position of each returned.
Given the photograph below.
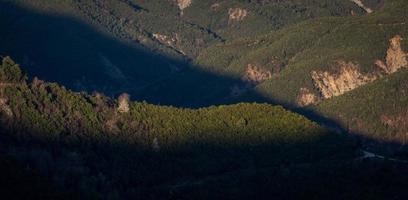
(201, 53)
(92, 146)
(314, 63)
(154, 99)
(142, 47)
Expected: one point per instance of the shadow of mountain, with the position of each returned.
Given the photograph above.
(67, 51)
(108, 167)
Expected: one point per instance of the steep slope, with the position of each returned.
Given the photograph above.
(234, 19)
(142, 47)
(57, 110)
(293, 53)
(91, 146)
(286, 58)
(344, 61)
(377, 110)
(323, 59)
(193, 25)
(127, 149)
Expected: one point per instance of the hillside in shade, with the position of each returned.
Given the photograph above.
(91, 146)
(194, 99)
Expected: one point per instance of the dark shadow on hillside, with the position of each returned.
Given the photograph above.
(113, 167)
(76, 55)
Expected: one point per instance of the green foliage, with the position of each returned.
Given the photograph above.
(83, 139)
(112, 47)
(10, 72)
(298, 49)
(316, 45)
(377, 111)
(84, 145)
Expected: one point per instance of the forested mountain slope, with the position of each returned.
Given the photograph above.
(316, 62)
(76, 146)
(340, 63)
(200, 53)
(142, 47)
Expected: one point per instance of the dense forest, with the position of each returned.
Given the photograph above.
(92, 146)
(189, 99)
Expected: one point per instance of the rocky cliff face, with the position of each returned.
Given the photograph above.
(396, 57)
(255, 75)
(164, 39)
(349, 76)
(237, 14)
(335, 84)
(172, 42)
(183, 4)
(306, 97)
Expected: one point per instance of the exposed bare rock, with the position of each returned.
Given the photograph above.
(123, 103)
(183, 4)
(256, 75)
(347, 79)
(382, 66)
(396, 57)
(349, 76)
(360, 3)
(164, 39)
(5, 108)
(237, 14)
(169, 41)
(306, 97)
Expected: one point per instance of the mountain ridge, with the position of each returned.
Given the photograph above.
(188, 99)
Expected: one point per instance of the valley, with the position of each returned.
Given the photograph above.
(215, 99)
